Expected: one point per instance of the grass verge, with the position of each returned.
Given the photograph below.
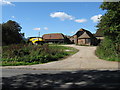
(24, 54)
(100, 53)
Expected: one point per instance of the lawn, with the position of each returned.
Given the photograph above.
(25, 54)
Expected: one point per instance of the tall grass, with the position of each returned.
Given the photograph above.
(25, 54)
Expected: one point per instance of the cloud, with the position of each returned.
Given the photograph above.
(4, 2)
(62, 16)
(80, 20)
(96, 18)
(45, 28)
(12, 16)
(36, 28)
(73, 32)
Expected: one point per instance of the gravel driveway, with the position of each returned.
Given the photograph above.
(85, 59)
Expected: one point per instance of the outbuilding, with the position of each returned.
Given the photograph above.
(84, 37)
(55, 38)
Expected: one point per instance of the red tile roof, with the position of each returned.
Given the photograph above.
(53, 36)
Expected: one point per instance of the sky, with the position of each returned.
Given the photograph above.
(53, 17)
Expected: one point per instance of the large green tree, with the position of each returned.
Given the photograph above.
(11, 33)
(110, 26)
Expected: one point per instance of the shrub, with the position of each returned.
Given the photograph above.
(107, 50)
(23, 54)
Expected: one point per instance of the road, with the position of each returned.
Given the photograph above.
(15, 72)
(54, 79)
(85, 59)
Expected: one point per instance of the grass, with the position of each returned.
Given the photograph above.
(24, 54)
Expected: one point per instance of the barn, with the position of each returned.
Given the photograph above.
(55, 38)
(84, 37)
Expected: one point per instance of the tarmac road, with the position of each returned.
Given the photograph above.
(13, 79)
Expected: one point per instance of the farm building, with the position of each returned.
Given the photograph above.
(99, 35)
(84, 37)
(55, 38)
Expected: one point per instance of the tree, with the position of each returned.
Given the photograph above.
(11, 33)
(0, 34)
(110, 22)
(110, 26)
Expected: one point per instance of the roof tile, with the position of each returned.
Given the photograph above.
(53, 36)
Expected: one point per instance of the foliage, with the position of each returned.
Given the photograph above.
(25, 54)
(11, 33)
(110, 26)
(107, 51)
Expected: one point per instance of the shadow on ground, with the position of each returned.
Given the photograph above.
(75, 79)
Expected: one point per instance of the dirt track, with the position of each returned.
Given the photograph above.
(85, 59)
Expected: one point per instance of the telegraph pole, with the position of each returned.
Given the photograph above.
(38, 34)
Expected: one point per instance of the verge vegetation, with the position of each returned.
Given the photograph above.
(25, 54)
(109, 25)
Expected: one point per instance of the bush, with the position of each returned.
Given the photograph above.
(107, 50)
(24, 54)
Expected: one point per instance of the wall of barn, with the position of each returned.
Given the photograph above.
(84, 42)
